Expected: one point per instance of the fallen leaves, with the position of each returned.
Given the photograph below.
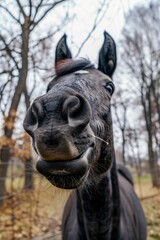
(37, 214)
(23, 217)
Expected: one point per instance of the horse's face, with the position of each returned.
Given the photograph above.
(71, 124)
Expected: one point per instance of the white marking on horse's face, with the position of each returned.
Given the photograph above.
(81, 72)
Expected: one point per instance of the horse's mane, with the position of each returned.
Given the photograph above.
(69, 66)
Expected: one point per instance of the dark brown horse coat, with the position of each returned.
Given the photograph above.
(71, 128)
(78, 221)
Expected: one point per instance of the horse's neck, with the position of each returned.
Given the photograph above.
(116, 202)
(94, 210)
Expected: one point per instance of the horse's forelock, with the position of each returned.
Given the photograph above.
(69, 66)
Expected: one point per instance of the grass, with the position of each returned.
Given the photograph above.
(152, 212)
(16, 184)
(150, 200)
(30, 214)
(143, 179)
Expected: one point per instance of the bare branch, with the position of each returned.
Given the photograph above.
(58, 28)
(45, 38)
(45, 13)
(6, 9)
(95, 24)
(21, 8)
(37, 9)
(30, 8)
(27, 97)
(9, 52)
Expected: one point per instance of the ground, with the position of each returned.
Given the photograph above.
(37, 214)
(150, 200)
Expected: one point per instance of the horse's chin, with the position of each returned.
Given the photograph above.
(66, 174)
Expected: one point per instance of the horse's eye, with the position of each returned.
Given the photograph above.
(109, 87)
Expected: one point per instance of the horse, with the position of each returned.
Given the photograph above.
(72, 133)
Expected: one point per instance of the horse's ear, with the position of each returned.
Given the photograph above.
(107, 55)
(62, 50)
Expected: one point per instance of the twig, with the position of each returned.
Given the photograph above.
(151, 196)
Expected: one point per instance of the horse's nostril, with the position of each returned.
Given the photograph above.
(76, 110)
(33, 117)
(71, 106)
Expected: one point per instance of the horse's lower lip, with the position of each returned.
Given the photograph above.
(65, 168)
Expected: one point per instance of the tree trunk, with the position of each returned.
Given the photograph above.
(28, 170)
(154, 170)
(123, 146)
(152, 160)
(5, 156)
(147, 103)
(28, 183)
(11, 118)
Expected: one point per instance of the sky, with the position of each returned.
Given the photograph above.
(84, 12)
(82, 15)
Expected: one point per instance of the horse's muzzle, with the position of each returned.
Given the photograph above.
(66, 174)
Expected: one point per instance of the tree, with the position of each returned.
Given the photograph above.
(120, 110)
(18, 57)
(21, 54)
(141, 54)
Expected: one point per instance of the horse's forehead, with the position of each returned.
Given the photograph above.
(92, 75)
(89, 78)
